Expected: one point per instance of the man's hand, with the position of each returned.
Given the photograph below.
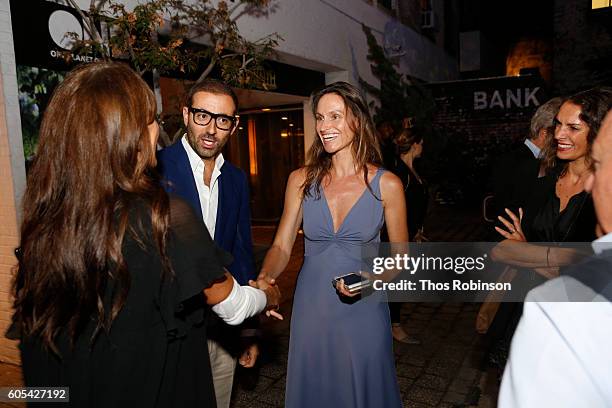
(249, 356)
(273, 296)
(263, 281)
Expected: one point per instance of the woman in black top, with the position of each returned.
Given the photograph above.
(115, 277)
(409, 146)
(559, 210)
(545, 221)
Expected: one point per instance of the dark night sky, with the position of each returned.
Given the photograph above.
(503, 23)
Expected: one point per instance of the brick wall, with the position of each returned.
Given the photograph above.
(474, 122)
(582, 46)
(12, 176)
(8, 236)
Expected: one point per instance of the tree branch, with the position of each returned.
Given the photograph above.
(247, 62)
(89, 25)
(208, 70)
(234, 8)
(230, 55)
(100, 5)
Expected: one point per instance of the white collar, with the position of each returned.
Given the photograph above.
(195, 160)
(603, 243)
(534, 149)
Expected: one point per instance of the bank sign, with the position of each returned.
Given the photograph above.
(40, 31)
(507, 98)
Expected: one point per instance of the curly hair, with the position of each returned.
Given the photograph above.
(594, 104)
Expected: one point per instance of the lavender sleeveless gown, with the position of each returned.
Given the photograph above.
(340, 355)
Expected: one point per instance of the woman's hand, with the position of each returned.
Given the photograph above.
(273, 295)
(515, 231)
(343, 290)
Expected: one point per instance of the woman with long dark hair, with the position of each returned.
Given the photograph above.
(340, 351)
(559, 208)
(114, 277)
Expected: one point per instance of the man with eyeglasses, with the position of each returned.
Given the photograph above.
(194, 168)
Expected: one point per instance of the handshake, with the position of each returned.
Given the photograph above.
(273, 296)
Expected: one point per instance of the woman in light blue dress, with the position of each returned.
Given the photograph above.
(340, 350)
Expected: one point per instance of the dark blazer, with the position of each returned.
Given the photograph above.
(233, 225)
(512, 178)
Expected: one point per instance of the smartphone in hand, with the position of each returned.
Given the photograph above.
(354, 282)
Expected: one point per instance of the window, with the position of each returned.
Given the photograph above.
(597, 4)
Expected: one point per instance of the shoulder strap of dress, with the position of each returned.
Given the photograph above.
(375, 183)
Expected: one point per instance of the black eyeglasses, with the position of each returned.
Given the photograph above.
(203, 117)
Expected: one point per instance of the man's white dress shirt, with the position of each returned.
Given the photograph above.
(535, 150)
(209, 195)
(561, 353)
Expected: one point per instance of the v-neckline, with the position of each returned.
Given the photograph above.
(331, 217)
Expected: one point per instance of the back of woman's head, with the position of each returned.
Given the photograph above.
(94, 129)
(93, 163)
(365, 147)
(405, 139)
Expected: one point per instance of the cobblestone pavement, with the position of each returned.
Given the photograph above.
(447, 370)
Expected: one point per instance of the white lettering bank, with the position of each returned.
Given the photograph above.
(513, 98)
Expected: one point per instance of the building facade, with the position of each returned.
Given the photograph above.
(323, 42)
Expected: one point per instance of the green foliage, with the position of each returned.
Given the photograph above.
(158, 35)
(400, 96)
(444, 165)
(240, 61)
(136, 38)
(35, 88)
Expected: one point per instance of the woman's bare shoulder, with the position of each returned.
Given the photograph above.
(390, 184)
(297, 177)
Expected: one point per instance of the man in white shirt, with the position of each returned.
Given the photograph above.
(560, 354)
(194, 168)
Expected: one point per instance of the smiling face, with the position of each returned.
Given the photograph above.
(571, 133)
(208, 140)
(334, 123)
(599, 182)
